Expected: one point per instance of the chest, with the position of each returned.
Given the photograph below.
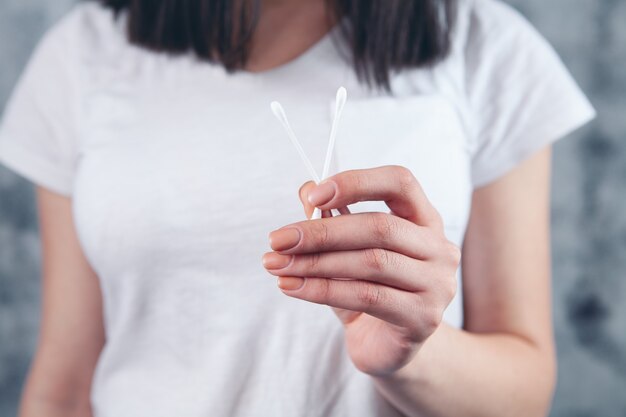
(167, 176)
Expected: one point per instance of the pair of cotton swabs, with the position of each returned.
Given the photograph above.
(278, 111)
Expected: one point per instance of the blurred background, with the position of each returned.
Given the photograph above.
(589, 208)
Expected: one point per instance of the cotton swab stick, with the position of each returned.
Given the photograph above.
(278, 111)
(340, 101)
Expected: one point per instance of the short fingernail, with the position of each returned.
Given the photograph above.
(283, 239)
(322, 193)
(290, 283)
(276, 260)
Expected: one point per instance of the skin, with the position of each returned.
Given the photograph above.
(71, 332)
(501, 363)
(285, 30)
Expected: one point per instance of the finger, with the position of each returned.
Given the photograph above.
(393, 184)
(373, 264)
(343, 210)
(302, 193)
(402, 308)
(357, 231)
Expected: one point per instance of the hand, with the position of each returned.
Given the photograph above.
(388, 276)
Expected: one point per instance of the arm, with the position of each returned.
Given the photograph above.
(402, 274)
(71, 333)
(502, 363)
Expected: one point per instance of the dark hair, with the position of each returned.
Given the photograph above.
(380, 35)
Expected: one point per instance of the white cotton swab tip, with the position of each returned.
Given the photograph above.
(342, 96)
(340, 102)
(279, 112)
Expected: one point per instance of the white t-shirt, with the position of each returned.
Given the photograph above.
(178, 171)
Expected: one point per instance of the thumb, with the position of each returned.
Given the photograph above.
(303, 194)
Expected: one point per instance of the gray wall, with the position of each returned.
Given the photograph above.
(589, 215)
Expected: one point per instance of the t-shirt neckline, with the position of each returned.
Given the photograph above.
(303, 57)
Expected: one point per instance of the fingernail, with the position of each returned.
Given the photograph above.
(322, 193)
(290, 283)
(275, 260)
(283, 239)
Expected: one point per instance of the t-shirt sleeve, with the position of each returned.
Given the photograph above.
(37, 131)
(520, 93)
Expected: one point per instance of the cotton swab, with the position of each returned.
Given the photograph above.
(279, 112)
(340, 101)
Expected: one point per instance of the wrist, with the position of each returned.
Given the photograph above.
(418, 370)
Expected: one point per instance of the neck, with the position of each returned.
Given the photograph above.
(285, 30)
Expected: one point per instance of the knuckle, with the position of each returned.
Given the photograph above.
(323, 291)
(358, 183)
(453, 253)
(405, 176)
(406, 180)
(449, 253)
(355, 180)
(370, 294)
(381, 226)
(314, 261)
(432, 322)
(321, 234)
(430, 315)
(450, 288)
(432, 319)
(438, 219)
(376, 259)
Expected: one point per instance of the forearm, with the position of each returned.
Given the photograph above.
(37, 408)
(52, 393)
(457, 373)
(35, 405)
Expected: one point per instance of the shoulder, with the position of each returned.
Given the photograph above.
(87, 28)
(477, 18)
(518, 92)
(89, 18)
(492, 28)
(494, 15)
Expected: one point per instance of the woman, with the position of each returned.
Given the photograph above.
(160, 172)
